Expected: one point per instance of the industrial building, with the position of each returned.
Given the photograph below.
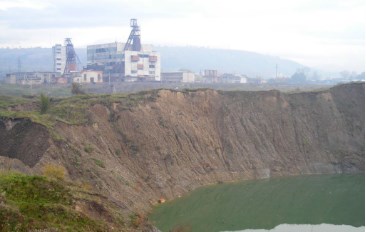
(89, 76)
(130, 61)
(233, 78)
(31, 78)
(181, 76)
(65, 60)
(211, 76)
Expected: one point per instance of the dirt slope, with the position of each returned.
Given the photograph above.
(170, 142)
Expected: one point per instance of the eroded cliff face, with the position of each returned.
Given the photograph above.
(172, 142)
(23, 140)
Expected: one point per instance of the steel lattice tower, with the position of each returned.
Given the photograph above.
(71, 57)
(134, 42)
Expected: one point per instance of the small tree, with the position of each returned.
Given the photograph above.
(76, 89)
(45, 103)
(299, 77)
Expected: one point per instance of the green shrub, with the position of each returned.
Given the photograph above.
(118, 152)
(45, 103)
(54, 171)
(88, 148)
(76, 89)
(99, 163)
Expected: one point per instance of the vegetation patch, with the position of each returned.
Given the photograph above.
(38, 203)
(136, 220)
(118, 152)
(45, 103)
(23, 190)
(7, 101)
(88, 148)
(72, 110)
(99, 163)
(53, 171)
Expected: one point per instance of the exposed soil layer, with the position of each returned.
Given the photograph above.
(170, 142)
(23, 140)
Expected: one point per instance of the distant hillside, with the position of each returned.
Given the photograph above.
(31, 59)
(173, 58)
(232, 61)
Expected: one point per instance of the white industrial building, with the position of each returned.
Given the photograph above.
(233, 78)
(181, 76)
(142, 64)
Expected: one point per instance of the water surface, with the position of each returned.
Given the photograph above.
(265, 204)
(308, 228)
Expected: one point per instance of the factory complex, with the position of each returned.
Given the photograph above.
(131, 61)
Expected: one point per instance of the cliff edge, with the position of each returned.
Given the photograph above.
(139, 148)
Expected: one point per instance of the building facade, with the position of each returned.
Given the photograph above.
(59, 58)
(89, 76)
(211, 76)
(182, 76)
(31, 78)
(142, 65)
(233, 78)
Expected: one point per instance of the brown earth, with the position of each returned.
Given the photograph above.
(23, 140)
(172, 142)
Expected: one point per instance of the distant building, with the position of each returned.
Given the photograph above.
(142, 64)
(106, 57)
(233, 78)
(182, 76)
(211, 76)
(256, 81)
(65, 59)
(31, 78)
(88, 76)
(115, 62)
(130, 61)
(11, 78)
(59, 58)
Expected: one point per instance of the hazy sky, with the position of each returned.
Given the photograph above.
(326, 34)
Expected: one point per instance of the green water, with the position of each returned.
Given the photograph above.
(264, 204)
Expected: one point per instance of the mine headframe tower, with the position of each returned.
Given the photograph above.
(71, 58)
(134, 41)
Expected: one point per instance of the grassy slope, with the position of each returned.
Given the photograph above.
(36, 202)
(333, 199)
(72, 110)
